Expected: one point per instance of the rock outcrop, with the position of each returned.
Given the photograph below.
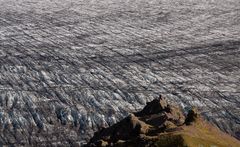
(161, 124)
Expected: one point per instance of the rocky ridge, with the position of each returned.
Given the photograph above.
(162, 125)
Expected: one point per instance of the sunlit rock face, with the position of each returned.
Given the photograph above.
(70, 67)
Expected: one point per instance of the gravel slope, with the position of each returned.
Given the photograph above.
(68, 67)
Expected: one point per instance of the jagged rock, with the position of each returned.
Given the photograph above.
(192, 116)
(162, 126)
(158, 111)
(154, 107)
(130, 127)
(169, 125)
(175, 115)
(138, 126)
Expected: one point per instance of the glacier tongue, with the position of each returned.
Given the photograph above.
(68, 68)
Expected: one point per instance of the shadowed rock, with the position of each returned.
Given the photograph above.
(154, 107)
(192, 116)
